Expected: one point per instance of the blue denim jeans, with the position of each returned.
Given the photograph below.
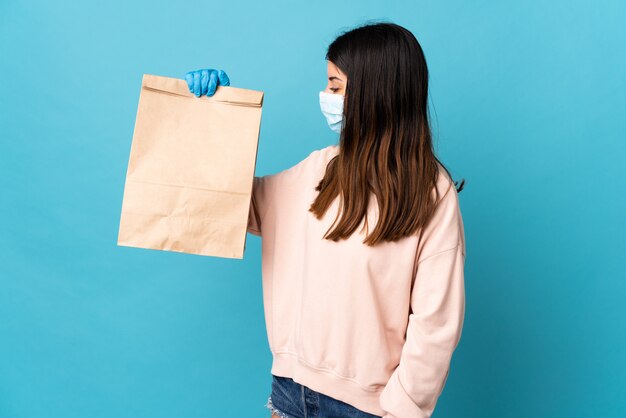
(290, 399)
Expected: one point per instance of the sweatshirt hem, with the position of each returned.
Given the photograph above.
(288, 364)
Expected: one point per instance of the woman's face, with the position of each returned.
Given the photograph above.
(337, 80)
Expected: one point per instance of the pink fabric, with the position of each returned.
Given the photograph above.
(374, 327)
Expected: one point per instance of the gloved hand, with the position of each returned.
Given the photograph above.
(205, 81)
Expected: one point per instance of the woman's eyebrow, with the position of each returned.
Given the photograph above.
(334, 78)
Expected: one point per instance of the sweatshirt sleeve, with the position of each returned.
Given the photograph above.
(437, 303)
(271, 192)
(254, 217)
(264, 194)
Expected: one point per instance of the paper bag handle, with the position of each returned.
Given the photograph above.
(225, 94)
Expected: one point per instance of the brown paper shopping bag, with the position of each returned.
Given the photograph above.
(191, 169)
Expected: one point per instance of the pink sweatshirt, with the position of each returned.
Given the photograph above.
(374, 327)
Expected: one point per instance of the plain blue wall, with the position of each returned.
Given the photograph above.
(528, 102)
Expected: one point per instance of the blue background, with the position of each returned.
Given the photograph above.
(529, 106)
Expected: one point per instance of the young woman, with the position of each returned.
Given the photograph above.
(363, 246)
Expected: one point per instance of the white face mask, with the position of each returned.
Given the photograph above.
(332, 108)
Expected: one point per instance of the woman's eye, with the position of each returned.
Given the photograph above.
(334, 89)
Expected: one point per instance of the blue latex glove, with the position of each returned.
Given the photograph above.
(205, 81)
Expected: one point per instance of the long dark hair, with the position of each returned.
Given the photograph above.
(385, 146)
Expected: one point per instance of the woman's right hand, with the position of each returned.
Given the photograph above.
(205, 81)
